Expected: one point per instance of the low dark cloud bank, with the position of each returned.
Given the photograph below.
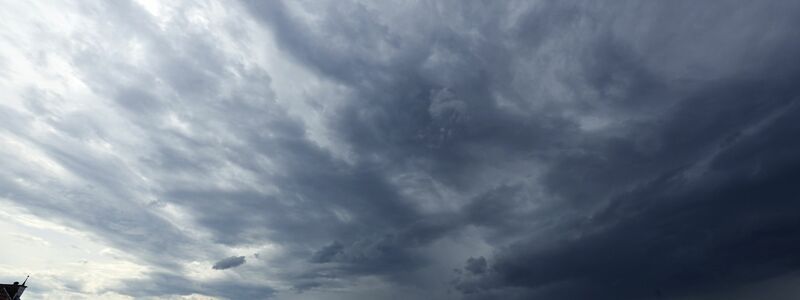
(492, 150)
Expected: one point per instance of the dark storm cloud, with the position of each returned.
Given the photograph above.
(647, 203)
(676, 235)
(327, 253)
(388, 252)
(553, 149)
(476, 265)
(230, 262)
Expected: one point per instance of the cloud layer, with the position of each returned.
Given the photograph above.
(432, 149)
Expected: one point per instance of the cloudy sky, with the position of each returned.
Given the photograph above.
(400, 150)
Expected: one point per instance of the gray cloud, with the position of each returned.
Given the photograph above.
(230, 262)
(476, 265)
(556, 149)
(327, 253)
(161, 284)
(615, 121)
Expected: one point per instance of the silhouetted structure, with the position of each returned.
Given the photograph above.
(12, 291)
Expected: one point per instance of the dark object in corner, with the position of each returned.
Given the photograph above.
(12, 291)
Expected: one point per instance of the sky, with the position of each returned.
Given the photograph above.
(440, 149)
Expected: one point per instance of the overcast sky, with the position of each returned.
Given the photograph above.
(409, 150)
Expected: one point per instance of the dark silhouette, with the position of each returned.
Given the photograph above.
(12, 291)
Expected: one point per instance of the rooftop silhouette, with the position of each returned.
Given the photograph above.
(12, 291)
